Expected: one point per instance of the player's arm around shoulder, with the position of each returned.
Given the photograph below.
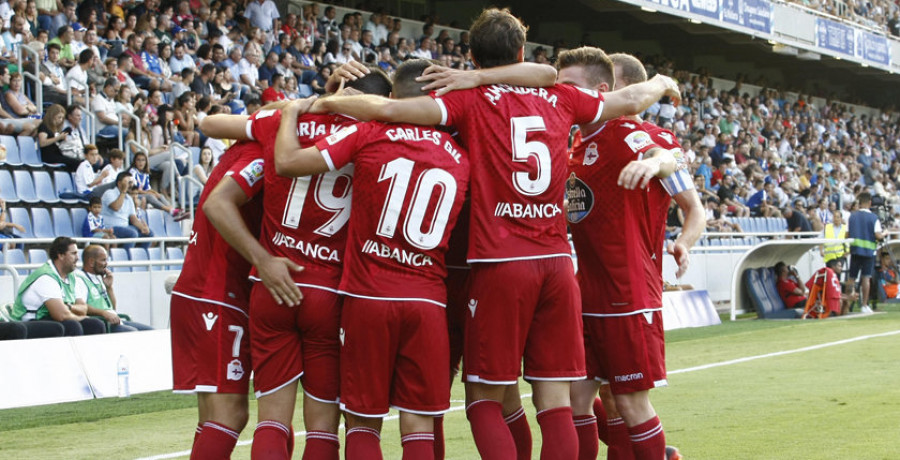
(221, 126)
(444, 79)
(291, 159)
(656, 162)
(421, 110)
(638, 97)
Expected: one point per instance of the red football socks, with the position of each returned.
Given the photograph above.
(363, 444)
(619, 442)
(521, 433)
(648, 441)
(558, 432)
(197, 434)
(492, 438)
(271, 441)
(418, 446)
(214, 442)
(600, 413)
(588, 442)
(439, 437)
(321, 445)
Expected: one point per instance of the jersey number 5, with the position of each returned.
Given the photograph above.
(523, 149)
(399, 172)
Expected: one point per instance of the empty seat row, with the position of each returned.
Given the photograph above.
(36, 187)
(39, 256)
(44, 223)
(761, 224)
(745, 241)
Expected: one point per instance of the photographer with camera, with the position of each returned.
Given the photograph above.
(101, 298)
(51, 137)
(120, 212)
(865, 230)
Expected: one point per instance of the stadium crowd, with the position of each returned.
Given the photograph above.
(877, 14)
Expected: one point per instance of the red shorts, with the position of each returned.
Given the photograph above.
(457, 296)
(394, 354)
(290, 342)
(210, 347)
(524, 308)
(630, 351)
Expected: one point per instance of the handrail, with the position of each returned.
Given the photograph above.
(87, 95)
(187, 202)
(130, 153)
(172, 179)
(35, 77)
(13, 269)
(92, 123)
(137, 135)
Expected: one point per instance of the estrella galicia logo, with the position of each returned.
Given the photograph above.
(580, 197)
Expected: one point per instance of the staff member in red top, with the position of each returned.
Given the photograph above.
(792, 292)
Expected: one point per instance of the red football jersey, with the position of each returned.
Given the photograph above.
(517, 138)
(212, 270)
(305, 218)
(414, 181)
(616, 232)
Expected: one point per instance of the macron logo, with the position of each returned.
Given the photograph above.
(210, 320)
(472, 305)
(342, 337)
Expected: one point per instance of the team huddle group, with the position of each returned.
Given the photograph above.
(456, 249)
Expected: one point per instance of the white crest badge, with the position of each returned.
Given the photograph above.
(590, 154)
(235, 370)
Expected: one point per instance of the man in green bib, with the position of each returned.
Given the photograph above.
(52, 293)
(101, 298)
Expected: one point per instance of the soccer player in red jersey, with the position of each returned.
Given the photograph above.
(209, 314)
(524, 300)
(304, 221)
(410, 184)
(618, 239)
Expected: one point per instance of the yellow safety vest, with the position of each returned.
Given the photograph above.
(834, 251)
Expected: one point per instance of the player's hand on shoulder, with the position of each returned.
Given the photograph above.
(349, 71)
(275, 273)
(444, 79)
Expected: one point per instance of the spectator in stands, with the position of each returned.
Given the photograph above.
(180, 60)
(186, 119)
(7, 227)
(267, 70)
(140, 172)
(85, 177)
(93, 225)
(104, 107)
(101, 297)
(865, 230)
(77, 76)
(792, 292)
(261, 14)
(275, 92)
(52, 293)
(318, 83)
(76, 140)
(728, 197)
(119, 212)
(15, 102)
(114, 166)
(52, 135)
(227, 91)
(205, 166)
(54, 77)
(164, 134)
(139, 71)
(796, 218)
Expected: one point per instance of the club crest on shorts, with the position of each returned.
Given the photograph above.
(473, 304)
(235, 370)
(210, 320)
(580, 197)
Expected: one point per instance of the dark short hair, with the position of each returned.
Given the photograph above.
(60, 246)
(405, 84)
(52, 46)
(85, 56)
(865, 197)
(111, 81)
(376, 82)
(95, 200)
(122, 175)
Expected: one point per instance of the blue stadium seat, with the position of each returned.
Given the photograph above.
(781, 224)
(25, 187)
(195, 155)
(156, 220)
(43, 187)
(21, 217)
(64, 184)
(155, 254)
(16, 257)
(172, 228)
(8, 187)
(43, 225)
(78, 217)
(37, 256)
(174, 254)
(137, 254)
(62, 223)
(12, 150)
(119, 255)
(31, 156)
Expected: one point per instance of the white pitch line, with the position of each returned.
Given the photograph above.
(186, 453)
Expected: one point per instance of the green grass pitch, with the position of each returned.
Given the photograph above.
(744, 390)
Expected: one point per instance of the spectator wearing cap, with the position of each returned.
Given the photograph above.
(78, 45)
(261, 14)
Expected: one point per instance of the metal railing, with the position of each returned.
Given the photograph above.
(87, 96)
(91, 125)
(34, 77)
(172, 178)
(137, 124)
(187, 200)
